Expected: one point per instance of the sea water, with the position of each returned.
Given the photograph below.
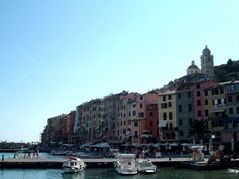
(89, 173)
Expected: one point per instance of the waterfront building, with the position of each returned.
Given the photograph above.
(184, 113)
(214, 110)
(68, 128)
(231, 131)
(127, 112)
(137, 120)
(110, 111)
(79, 127)
(97, 125)
(167, 116)
(53, 131)
(149, 131)
(198, 96)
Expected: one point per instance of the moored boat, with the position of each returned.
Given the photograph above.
(125, 164)
(215, 162)
(73, 165)
(145, 166)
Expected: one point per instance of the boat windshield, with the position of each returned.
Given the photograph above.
(147, 163)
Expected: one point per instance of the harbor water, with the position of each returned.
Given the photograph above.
(163, 173)
(109, 173)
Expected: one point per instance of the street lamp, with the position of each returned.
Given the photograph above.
(210, 142)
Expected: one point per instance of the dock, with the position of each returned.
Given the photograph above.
(45, 163)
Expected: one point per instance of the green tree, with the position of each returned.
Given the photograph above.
(199, 129)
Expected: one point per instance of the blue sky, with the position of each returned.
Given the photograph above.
(55, 55)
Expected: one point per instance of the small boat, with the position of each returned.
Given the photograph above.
(145, 166)
(231, 170)
(215, 162)
(73, 165)
(126, 164)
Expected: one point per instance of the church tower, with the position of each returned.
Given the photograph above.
(207, 66)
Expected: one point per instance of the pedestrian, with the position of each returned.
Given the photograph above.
(2, 158)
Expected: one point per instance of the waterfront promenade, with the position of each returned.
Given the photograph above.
(90, 162)
(46, 163)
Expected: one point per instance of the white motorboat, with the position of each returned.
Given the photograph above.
(73, 165)
(145, 166)
(125, 164)
(233, 170)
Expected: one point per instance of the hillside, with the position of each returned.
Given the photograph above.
(227, 72)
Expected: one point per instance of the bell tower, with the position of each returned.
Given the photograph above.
(207, 65)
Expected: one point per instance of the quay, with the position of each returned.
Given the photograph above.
(45, 163)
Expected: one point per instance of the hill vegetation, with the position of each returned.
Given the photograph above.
(227, 72)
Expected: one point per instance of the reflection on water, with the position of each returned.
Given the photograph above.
(163, 173)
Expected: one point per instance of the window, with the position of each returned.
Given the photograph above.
(199, 113)
(206, 93)
(198, 93)
(229, 98)
(151, 123)
(150, 113)
(171, 126)
(180, 108)
(164, 98)
(164, 116)
(134, 113)
(170, 116)
(169, 104)
(206, 112)
(135, 124)
(189, 107)
(230, 110)
(237, 97)
(206, 102)
(169, 97)
(237, 110)
(141, 105)
(190, 120)
(181, 133)
(198, 102)
(141, 114)
(136, 134)
(179, 96)
(216, 91)
(198, 85)
(221, 90)
(180, 122)
(189, 94)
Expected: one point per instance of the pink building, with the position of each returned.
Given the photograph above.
(198, 92)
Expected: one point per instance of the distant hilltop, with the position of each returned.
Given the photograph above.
(227, 72)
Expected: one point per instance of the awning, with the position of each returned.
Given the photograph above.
(102, 145)
(162, 123)
(88, 144)
(219, 108)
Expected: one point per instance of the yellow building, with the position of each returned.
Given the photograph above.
(167, 116)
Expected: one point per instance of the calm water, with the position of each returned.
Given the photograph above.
(164, 173)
